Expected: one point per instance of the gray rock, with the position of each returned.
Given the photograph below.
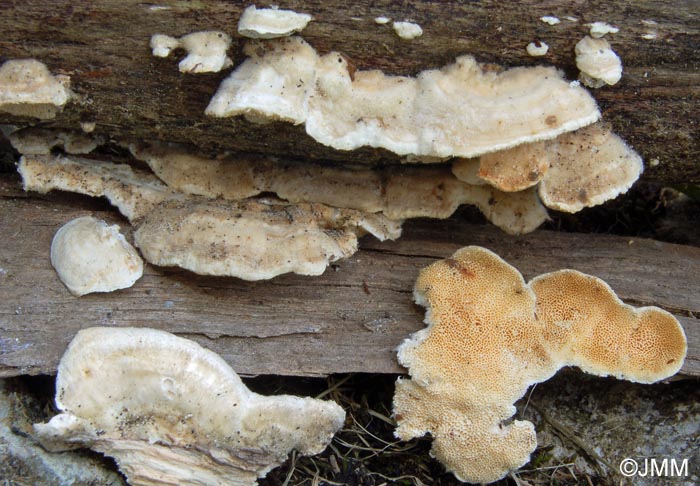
(23, 462)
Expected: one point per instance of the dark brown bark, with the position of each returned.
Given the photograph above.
(103, 46)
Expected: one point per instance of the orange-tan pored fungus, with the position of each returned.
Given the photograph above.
(490, 336)
(576, 170)
(173, 413)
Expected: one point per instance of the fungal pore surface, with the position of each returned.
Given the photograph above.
(491, 335)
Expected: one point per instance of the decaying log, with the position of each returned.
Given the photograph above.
(103, 46)
(350, 319)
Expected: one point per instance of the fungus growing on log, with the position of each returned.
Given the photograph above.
(407, 30)
(537, 49)
(27, 88)
(91, 256)
(172, 412)
(490, 336)
(398, 193)
(574, 171)
(274, 85)
(268, 23)
(41, 141)
(598, 63)
(588, 167)
(206, 51)
(423, 116)
(600, 29)
(249, 239)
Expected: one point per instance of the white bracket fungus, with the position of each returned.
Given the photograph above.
(600, 29)
(407, 30)
(382, 20)
(268, 23)
(461, 110)
(172, 412)
(576, 170)
(537, 49)
(490, 336)
(551, 20)
(38, 141)
(91, 256)
(250, 239)
(398, 193)
(598, 63)
(27, 88)
(206, 51)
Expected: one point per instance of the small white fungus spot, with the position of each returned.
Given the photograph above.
(407, 30)
(88, 127)
(537, 49)
(599, 29)
(382, 20)
(550, 19)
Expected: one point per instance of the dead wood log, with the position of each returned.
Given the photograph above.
(103, 46)
(350, 319)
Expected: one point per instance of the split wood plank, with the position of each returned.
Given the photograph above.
(103, 45)
(350, 319)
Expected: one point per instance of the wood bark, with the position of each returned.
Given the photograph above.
(103, 46)
(350, 319)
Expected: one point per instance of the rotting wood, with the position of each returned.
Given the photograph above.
(103, 46)
(350, 319)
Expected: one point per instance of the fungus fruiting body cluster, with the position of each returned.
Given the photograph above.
(491, 335)
(514, 140)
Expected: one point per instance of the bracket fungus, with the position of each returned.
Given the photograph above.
(490, 336)
(268, 23)
(600, 29)
(598, 63)
(251, 239)
(407, 30)
(537, 49)
(397, 193)
(463, 109)
(206, 51)
(172, 412)
(41, 141)
(27, 88)
(91, 256)
(576, 170)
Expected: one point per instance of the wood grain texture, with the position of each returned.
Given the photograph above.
(350, 319)
(103, 46)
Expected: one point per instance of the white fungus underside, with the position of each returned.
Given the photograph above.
(166, 408)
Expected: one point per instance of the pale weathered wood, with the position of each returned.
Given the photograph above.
(349, 319)
(103, 46)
